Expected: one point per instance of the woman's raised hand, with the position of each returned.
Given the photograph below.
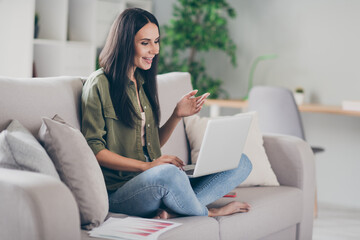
(189, 104)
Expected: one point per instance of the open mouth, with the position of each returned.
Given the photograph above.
(148, 60)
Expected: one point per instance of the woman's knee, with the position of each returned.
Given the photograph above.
(167, 174)
(245, 163)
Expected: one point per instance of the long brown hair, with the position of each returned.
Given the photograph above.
(117, 58)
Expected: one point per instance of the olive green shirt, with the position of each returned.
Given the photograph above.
(102, 129)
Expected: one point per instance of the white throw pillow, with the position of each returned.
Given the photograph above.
(19, 149)
(261, 174)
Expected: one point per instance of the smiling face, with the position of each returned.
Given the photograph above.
(146, 46)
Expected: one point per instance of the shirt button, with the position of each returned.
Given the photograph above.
(148, 144)
(144, 107)
(148, 125)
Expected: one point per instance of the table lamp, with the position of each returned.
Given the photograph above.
(252, 70)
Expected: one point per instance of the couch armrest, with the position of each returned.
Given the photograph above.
(293, 162)
(36, 206)
(291, 159)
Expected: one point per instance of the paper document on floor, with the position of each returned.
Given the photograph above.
(132, 228)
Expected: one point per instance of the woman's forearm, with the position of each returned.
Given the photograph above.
(187, 106)
(166, 130)
(115, 161)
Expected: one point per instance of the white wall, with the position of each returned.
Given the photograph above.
(17, 31)
(318, 43)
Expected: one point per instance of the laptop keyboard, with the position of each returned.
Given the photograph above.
(189, 169)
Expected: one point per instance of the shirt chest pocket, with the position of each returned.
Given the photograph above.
(109, 112)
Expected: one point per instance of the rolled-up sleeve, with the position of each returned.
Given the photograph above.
(93, 122)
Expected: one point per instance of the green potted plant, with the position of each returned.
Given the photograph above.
(197, 26)
(299, 95)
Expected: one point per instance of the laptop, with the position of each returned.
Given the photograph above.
(222, 145)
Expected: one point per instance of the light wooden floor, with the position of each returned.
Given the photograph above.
(336, 223)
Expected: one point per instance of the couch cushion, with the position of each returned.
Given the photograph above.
(171, 87)
(272, 209)
(20, 150)
(192, 228)
(29, 99)
(78, 169)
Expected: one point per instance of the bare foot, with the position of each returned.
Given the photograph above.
(230, 208)
(165, 214)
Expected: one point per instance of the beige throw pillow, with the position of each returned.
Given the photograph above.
(261, 174)
(78, 169)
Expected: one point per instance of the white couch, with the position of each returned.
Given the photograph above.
(39, 207)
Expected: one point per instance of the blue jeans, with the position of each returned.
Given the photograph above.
(168, 186)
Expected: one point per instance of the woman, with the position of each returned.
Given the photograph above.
(120, 120)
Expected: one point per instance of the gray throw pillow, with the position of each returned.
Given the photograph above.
(78, 169)
(19, 149)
